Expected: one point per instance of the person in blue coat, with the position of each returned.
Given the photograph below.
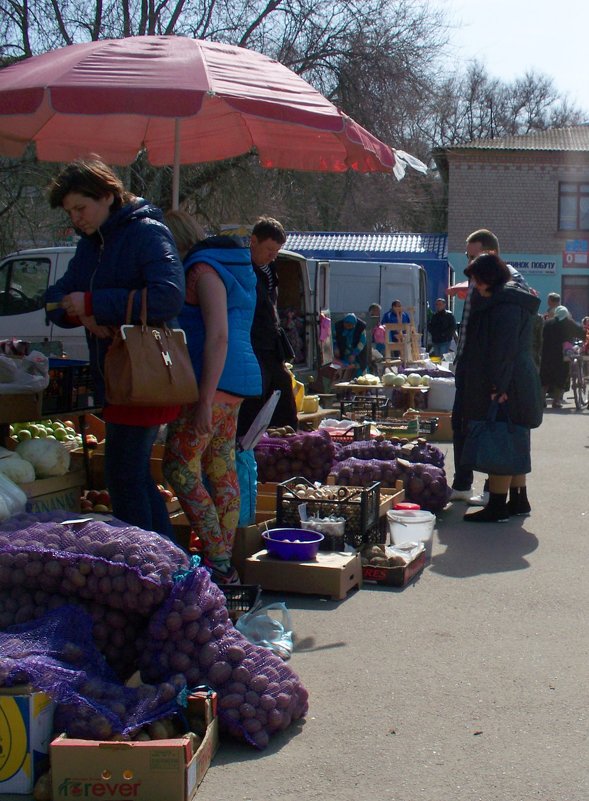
(199, 459)
(123, 246)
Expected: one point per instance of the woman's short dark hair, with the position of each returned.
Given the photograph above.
(91, 178)
(490, 269)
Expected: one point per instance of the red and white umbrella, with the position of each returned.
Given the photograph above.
(184, 101)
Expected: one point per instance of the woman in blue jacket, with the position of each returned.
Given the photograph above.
(123, 245)
(199, 460)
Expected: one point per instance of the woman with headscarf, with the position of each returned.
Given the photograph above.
(350, 342)
(554, 371)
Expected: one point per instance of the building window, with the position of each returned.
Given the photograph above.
(573, 207)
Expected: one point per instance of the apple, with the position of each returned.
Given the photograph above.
(91, 441)
(86, 505)
(103, 498)
(100, 507)
(23, 434)
(92, 496)
(68, 424)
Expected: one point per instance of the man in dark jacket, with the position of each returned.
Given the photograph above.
(441, 326)
(268, 338)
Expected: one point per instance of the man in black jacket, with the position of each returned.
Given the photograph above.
(269, 341)
(441, 326)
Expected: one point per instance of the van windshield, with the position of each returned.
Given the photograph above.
(23, 283)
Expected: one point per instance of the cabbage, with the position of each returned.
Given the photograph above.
(49, 457)
(400, 380)
(16, 468)
(414, 379)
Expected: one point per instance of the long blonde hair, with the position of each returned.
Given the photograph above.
(185, 229)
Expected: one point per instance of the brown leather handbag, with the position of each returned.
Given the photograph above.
(148, 365)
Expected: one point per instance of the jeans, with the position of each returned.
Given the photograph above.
(439, 348)
(134, 494)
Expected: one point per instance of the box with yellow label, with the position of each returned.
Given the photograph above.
(26, 726)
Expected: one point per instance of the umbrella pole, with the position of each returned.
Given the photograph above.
(176, 168)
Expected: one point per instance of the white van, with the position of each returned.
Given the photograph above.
(24, 278)
(306, 287)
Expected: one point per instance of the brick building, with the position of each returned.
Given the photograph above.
(533, 192)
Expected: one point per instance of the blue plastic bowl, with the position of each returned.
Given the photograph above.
(281, 543)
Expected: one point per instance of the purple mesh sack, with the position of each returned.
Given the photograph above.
(56, 654)
(110, 563)
(309, 454)
(191, 633)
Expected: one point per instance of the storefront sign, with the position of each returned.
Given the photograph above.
(576, 253)
(534, 266)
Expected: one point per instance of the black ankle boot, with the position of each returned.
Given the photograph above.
(518, 501)
(494, 512)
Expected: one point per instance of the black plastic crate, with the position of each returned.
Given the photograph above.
(355, 433)
(359, 506)
(240, 598)
(364, 408)
(409, 428)
(71, 387)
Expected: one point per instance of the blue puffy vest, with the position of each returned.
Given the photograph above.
(241, 375)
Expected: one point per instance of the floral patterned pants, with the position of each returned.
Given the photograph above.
(201, 471)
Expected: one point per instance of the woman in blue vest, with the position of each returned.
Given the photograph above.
(217, 318)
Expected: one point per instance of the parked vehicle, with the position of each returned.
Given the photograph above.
(306, 287)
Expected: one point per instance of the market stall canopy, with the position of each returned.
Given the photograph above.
(459, 291)
(184, 101)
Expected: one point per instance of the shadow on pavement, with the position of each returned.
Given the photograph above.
(472, 549)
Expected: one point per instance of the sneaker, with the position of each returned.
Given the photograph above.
(230, 576)
(460, 495)
(479, 500)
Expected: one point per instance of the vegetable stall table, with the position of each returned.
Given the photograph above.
(310, 420)
(361, 400)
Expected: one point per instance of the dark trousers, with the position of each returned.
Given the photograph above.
(274, 376)
(134, 494)
(463, 477)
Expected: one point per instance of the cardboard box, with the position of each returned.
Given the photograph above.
(248, 541)
(59, 492)
(26, 726)
(397, 576)
(21, 408)
(144, 771)
(332, 574)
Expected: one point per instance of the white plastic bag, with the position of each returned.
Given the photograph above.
(268, 626)
(12, 499)
(29, 374)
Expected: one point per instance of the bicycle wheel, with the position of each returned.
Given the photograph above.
(578, 383)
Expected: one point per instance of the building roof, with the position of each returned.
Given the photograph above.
(344, 245)
(573, 139)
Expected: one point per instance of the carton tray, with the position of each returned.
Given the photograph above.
(397, 576)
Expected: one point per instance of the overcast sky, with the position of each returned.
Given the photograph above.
(513, 36)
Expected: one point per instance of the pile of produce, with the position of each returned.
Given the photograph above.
(418, 450)
(424, 484)
(61, 430)
(308, 454)
(192, 634)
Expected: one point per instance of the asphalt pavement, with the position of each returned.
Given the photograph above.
(469, 684)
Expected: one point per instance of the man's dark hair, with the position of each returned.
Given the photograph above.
(269, 228)
(487, 239)
(490, 269)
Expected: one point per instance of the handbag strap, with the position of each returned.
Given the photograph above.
(143, 312)
(129, 314)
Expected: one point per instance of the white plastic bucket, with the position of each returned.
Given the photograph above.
(409, 525)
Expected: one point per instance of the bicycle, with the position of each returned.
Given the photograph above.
(579, 374)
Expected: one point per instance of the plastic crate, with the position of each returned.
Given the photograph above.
(364, 408)
(71, 387)
(354, 433)
(240, 598)
(359, 506)
(408, 428)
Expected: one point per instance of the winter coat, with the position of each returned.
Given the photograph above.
(241, 375)
(554, 371)
(441, 326)
(498, 357)
(131, 250)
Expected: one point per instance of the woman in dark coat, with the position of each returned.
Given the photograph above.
(499, 365)
(554, 371)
